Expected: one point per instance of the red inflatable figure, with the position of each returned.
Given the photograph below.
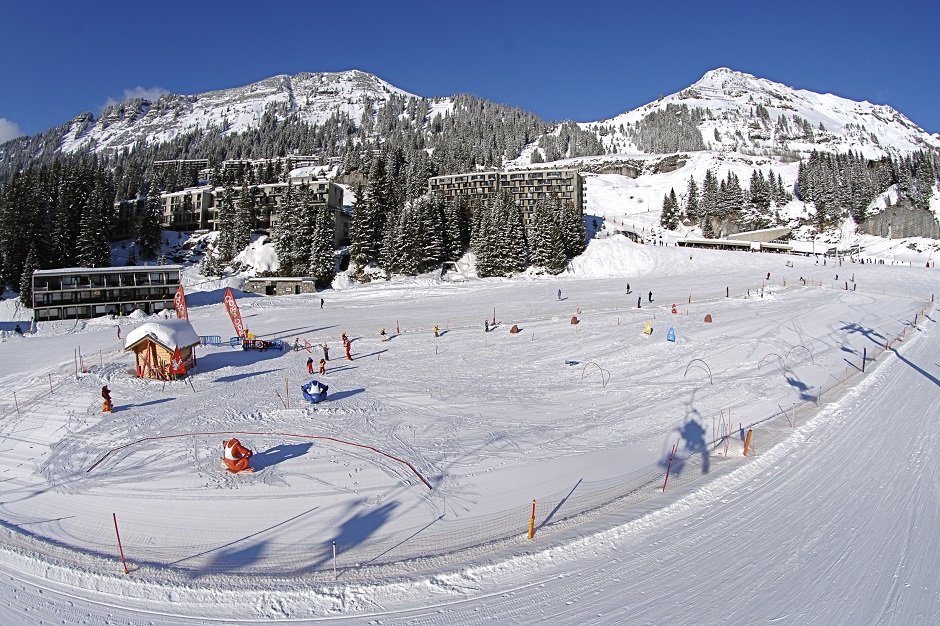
(236, 456)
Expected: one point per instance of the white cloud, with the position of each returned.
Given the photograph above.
(9, 130)
(147, 93)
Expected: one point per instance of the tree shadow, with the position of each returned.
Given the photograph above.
(278, 454)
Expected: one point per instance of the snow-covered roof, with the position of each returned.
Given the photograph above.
(108, 270)
(168, 333)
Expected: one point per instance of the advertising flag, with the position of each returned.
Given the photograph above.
(232, 307)
(176, 362)
(179, 303)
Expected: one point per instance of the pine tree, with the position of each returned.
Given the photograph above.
(149, 231)
(244, 217)
(284, 232)
(225, 224)
(692, 207)
(321, 264)
(26, 281)
(669, 219)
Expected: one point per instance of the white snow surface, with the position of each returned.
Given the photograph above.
(831, 518)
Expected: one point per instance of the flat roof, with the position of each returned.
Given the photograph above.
(107, 270)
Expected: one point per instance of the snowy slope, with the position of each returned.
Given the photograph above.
(838, 124)
(312, 97)
(493, 421)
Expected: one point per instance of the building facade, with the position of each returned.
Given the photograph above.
(197, 208)
(86, 292)
(527, 187)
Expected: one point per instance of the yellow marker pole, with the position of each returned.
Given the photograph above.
(747, 441)
(532, 522)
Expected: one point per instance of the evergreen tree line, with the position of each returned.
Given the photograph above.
(404, 235)
(843, 185)
(713, 202)
(671, 129)
(61, 215)
(474, 133)
(571, 141)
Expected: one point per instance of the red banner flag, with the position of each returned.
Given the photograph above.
(232, 307)
(176, 362)
(179, 302)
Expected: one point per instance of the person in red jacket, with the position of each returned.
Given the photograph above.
(323, 366)
(236, 456)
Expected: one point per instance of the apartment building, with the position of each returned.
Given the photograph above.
(86, 292)
(526, 187)
(197, 208)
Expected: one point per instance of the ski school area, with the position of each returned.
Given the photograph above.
(445, 441)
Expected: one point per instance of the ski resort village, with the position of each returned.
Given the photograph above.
(320, 350)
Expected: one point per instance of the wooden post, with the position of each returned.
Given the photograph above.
(334, 560)
(15, 403)
(671, 454)
(532, 522)
(120, 547)
(287, 392)
(747, 441)
(864, 357)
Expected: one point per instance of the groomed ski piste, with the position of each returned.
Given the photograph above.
(831, 518)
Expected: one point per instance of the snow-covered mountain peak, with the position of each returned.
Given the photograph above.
(312, 97)
(736, 111)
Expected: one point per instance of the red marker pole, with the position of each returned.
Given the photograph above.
(120, 548)
(671, 454)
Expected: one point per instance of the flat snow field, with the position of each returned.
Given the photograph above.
(423, 463)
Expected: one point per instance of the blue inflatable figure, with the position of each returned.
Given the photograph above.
(314, 391)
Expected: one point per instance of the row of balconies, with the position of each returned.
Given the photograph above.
(101, 296)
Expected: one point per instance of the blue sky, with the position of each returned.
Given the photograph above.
(562, 60)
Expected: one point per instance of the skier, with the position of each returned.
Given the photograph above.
(628, 288)
(348, 345)
(651, 296)
(323, 366)
(326, 351)
(321, 303)
(382, 334)
(310, 364)
(638, 300)
(106, 406)
(119, 332)
(18, 330)
(435, 330)
(486, 326)
(297, 344)
(559, 294)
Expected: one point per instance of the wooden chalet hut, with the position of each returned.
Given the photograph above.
(153, 344)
